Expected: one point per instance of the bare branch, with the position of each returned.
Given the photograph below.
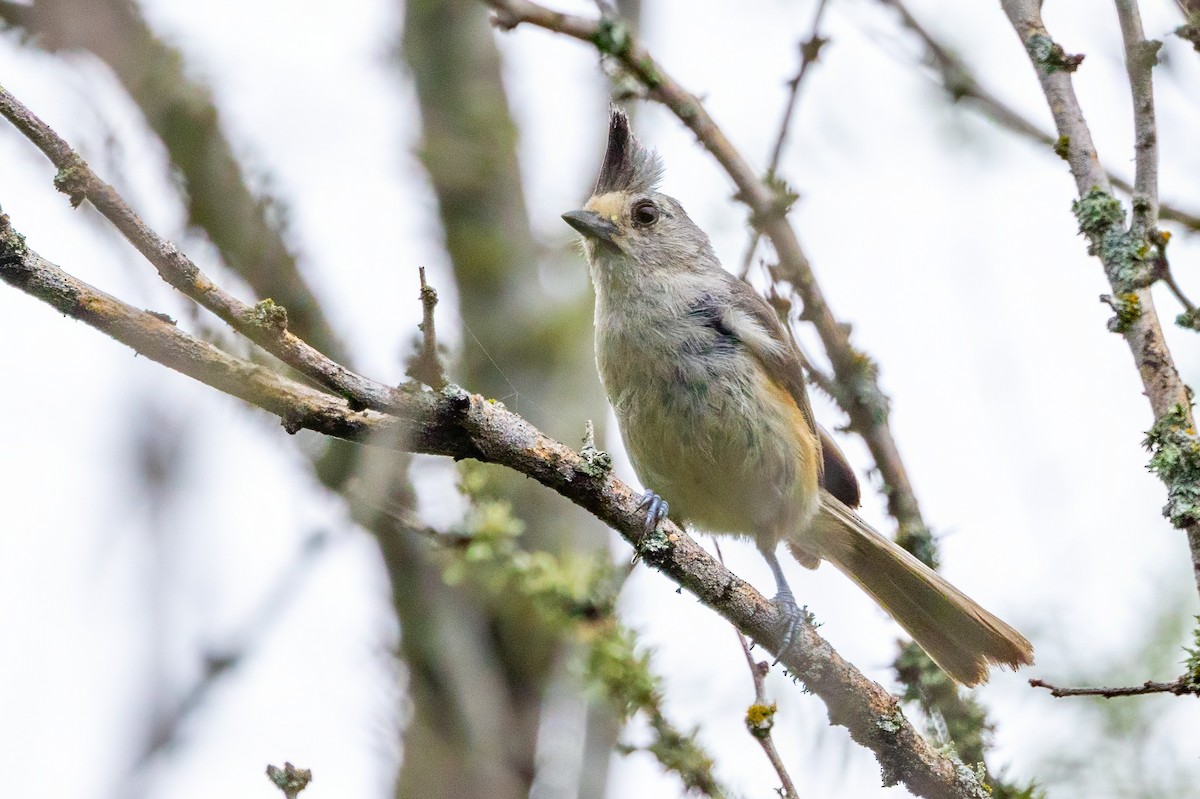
(426, 366)
(245, 225)
(219, 664)
(452, 422)
(1180, 687)
(1121, 251)
(959, 82)
(265, 323)
(810, 51)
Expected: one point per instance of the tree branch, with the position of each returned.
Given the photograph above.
(460, 425)
(1121, 251)
(810, 51)
(961, 84)
(265, 323)
(1180, 687)
(244, 226)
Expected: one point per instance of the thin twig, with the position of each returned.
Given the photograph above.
(219, 664)
(810, 51)
(427, 365)
(1180, 687)
(1140, 58)
(760, 717)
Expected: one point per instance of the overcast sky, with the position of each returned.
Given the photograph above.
(948, 244)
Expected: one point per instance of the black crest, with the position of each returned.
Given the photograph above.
(628, 166)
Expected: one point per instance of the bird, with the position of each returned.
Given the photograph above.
(710, 396)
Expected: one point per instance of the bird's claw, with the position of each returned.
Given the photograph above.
(792, 615)
(656, 510)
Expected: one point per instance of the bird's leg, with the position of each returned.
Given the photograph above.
(784, 601)
(656, 510)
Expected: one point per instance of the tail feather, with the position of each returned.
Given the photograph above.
(960, 636)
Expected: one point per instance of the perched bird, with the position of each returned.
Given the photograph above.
(710, 396)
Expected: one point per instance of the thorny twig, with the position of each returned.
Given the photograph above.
(810, 51)
(1180, 687)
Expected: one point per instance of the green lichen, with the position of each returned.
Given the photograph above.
(857, 388)
(612, 37)
(573, 594)
(597, 462)
(785, 195)
(1190, 31)
(649, 72)
(892, 723)
(270, 316)
(760, 719)
(72, 180)
(1144, 54)
(1062, 147)
(1050, 56)
(12, 243)
(1175, 458)
(1192, 676)
(1128, 308)
(654, 544)
(1127, 256)
(1098, 212)
(1189, 319)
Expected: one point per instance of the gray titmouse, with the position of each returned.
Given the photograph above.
(708, 389)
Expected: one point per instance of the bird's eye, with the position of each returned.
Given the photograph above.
(645, 213)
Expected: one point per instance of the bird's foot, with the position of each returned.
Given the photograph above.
(792, 616)
(656, 510)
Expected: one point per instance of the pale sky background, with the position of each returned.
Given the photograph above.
(948, 244)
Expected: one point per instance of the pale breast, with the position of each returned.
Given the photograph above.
(705, 426)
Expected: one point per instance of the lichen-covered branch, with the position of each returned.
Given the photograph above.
(265, 323)
(457, 424)
(961, 84)
(243, 224)
(1124, 252)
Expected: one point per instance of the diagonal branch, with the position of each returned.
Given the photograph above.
(454, 423)
(810, 51)
(1122, 251)
(265, 323)
(244, 225)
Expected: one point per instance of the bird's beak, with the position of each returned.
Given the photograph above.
(592, 225)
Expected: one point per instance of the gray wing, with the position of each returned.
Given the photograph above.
(777, 352)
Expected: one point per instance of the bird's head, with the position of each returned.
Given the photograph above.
(627, 223)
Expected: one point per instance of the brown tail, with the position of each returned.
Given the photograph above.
(957, 633)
